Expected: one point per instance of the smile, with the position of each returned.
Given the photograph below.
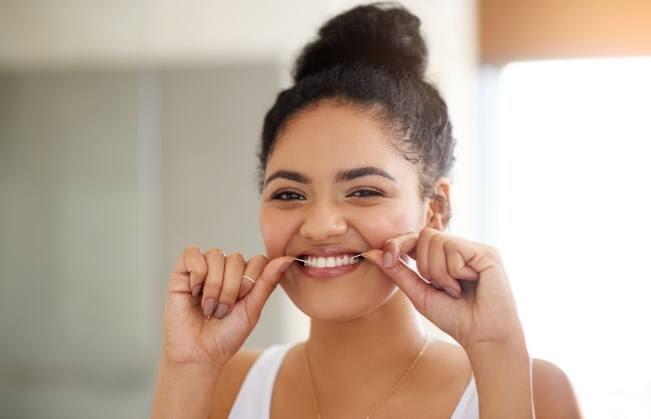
(330, 261)
(328, 267)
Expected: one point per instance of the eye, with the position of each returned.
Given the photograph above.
(366, 193)
(292, 196)
(286, 194)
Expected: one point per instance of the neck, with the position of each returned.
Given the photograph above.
(389, 336)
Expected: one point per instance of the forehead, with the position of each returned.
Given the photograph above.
(332, 137)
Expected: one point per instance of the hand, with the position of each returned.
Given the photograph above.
(468, 295)
(193, 333)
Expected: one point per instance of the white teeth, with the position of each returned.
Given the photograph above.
(330, 262)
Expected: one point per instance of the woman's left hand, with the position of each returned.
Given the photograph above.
(469, 297)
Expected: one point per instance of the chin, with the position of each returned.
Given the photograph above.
(339, 303)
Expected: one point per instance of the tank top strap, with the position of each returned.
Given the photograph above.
(254, 397)
(468, 406)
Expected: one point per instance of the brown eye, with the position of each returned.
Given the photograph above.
(285, 196)
(366, 193)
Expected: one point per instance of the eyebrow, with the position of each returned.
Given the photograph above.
(342, 176)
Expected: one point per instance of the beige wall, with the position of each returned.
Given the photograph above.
(106, 177)
(516, 30)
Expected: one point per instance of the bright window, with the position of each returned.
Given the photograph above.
(572, 199)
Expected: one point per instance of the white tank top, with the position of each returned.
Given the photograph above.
(254, 398)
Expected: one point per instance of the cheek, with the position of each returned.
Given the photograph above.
(382, 225)
(276, 232)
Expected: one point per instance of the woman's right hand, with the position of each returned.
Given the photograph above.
(200, 282)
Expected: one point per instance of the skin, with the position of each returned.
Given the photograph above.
(365, 319)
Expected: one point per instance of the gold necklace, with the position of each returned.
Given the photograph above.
(395, 387)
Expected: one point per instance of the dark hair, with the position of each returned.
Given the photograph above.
(372, 57)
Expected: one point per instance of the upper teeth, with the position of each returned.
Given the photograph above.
(330, 261)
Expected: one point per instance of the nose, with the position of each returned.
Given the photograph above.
(322, 220)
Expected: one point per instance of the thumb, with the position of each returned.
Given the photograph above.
(410, 282)
(264, 286)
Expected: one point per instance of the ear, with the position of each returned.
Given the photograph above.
(438, 207)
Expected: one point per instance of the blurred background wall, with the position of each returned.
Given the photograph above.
(566, 135)
(519, 30)
(128, 130)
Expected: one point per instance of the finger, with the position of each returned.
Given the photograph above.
(192, 265)
(253, 270)
(231, 282)
(480, 257)
(438, 267)
(216, 260)
(415, 287)
(264, 286)
(398, 245)
(456, 264)
(422, 256)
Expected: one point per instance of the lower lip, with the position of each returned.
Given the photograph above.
(324, 273)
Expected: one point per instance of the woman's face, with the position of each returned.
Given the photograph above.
(321, 210)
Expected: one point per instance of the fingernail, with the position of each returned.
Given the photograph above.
(285, 265)
(455, 293)
(221, 310)
(388, 259)
(196, 290)
(209, 306)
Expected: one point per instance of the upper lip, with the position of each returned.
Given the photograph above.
(329, 251)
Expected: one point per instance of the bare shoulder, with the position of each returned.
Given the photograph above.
(553, 394)
(230, 380)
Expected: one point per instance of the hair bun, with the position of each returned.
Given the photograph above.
(383, 33)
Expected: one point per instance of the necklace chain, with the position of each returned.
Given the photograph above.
(377, 405)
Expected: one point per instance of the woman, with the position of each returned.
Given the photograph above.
(354, 200)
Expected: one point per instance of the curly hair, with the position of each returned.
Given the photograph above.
(373, 58)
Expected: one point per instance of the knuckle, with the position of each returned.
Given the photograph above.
(214, 253)
(191, 248)
(236, 257)
(493, 251)
(200, 269)
(261, 259)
